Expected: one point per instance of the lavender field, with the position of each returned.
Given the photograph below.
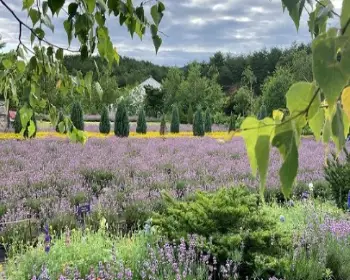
(56, 171)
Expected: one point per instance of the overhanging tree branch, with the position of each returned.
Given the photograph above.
(21, 23)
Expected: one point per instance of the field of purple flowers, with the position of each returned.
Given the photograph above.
(56, 172)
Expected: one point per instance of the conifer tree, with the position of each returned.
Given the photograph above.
(77, 116)
(208, 122)
(175, 120)
(190, 115)
(17, 123)
(198, 123)
(141, 123)
(105, 124)
(121, 123)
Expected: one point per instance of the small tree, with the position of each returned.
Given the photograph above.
(121, 123)
(105, 124)
(198, 124)
(190, 115)
(77, 116)
(17, 123)
(141, 123)
(162, 129)
(175, 121)
(60, 119)
(232, 124)
(208, 121)
(262, 112)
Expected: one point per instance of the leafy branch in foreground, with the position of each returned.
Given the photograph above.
(324, 104)
(85, 20)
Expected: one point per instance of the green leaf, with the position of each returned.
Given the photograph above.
(277, 115)
(100, 19)
(21, 66)
(99, 90)
(113, 6)
(7, 63)
(316, 123)
(40, 33)
(55, 5)
(88, 81)
(295, 9)
(26, 114)
(34, 16)
(47, 21)
(262, 149)
(330, 74)
(72, 9)
(33, 64)
(68, 26)
(90, 5)
(27, 4)
(59, 54)
(338, 128)
(84, 52)
(326, 136)
(140, 13)
(61, 127)
(156, 16)
(53, 115)
(31, 128)
(20, 52)
(45, 6)
(49, 51)
(345, 18)
(157, 41)
(285, 140)
(250, 136)
(299, 97)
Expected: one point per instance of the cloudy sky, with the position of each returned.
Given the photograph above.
(195, 29)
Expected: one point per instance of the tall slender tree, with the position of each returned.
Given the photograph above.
(198, 123)
(208, 121)
(190, 115)
(121, 123)
(105, 124)
(141, 122)
(77, 116)
(162, 129)
(175, 120)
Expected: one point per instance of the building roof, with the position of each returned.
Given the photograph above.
(151, 82)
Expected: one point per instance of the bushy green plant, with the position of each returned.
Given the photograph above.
(208, 121)
(141, 123)
(230, 218)
(17, 123)
(77, 116)
(175, 120)
(198, 123)
(190, 115)
(162, 129)
(105, 124)
(121, 123)
(337, 174)
(232, 124)
(97, 179)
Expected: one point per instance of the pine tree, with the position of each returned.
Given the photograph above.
(232, 125)
(105, 124)
(175, 121)
(190, 115)
(17, 123)
(60, 119)
(121, 123)
(141, 123)
(162, 129)
(198, 124)
(208, 122)
(262, 112)
(77, 116)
